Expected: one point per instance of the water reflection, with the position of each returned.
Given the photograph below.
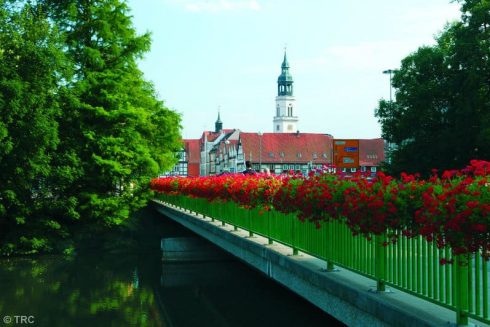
(124, 289)
(86, 291)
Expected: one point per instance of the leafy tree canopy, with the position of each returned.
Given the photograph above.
(441, 116)
(82, 131)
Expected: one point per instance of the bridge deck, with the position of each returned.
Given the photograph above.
(342, 294)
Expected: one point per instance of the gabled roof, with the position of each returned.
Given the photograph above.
(371, 152)
(287, 147)
(212, 136)
(193, 151)
(225, 147)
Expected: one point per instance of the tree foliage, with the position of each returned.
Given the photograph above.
(441, 116)
(86, 140)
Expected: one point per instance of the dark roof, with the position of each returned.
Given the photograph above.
(287, 147)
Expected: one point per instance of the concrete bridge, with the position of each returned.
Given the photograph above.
(347, 296)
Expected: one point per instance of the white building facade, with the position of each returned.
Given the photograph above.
(285, 120)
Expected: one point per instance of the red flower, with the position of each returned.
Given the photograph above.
(454, 209)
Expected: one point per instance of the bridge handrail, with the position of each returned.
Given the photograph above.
(412, 265)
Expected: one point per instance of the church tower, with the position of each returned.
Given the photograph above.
(285, 120)
(218, 125)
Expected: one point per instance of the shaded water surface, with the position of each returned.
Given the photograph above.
(137, 289)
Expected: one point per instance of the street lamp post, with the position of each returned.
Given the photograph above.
(260, 150)
(390, 72)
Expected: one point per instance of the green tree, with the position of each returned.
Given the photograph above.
(470, 76)
(82, 132)
(115, 134)
(441, 115)
(31, 66)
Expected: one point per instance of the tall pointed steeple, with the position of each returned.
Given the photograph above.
(285, 120)
(285, 80)
(218, 125)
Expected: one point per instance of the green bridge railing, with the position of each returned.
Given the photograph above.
(411, 265)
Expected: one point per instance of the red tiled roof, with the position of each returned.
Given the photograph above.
(193, 151)
(287, 147)
(371, 152)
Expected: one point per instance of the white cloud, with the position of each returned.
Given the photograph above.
(218, 5)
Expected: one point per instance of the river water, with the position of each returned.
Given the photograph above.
(135, 288)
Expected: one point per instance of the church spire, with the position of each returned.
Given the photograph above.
(285, 120)
(218, 125)
(285, 63)
(285, 80)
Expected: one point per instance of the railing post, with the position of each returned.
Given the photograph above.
(269, 213)
(293, 234)
(462, 289)
(234, 213)
(222, 213)
(250, 234)
(380, 262)
(329, 245)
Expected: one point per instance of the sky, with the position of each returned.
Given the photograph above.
(226, 55)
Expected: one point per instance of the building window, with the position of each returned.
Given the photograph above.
(278, 112)
(324, 155)
(363, 168)
(314, 155)
(277, 127)
(298, 155)
(290, 127)
(281, 154)
(271, 154)
(373, 169)
(290, 110)
(353, 170)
